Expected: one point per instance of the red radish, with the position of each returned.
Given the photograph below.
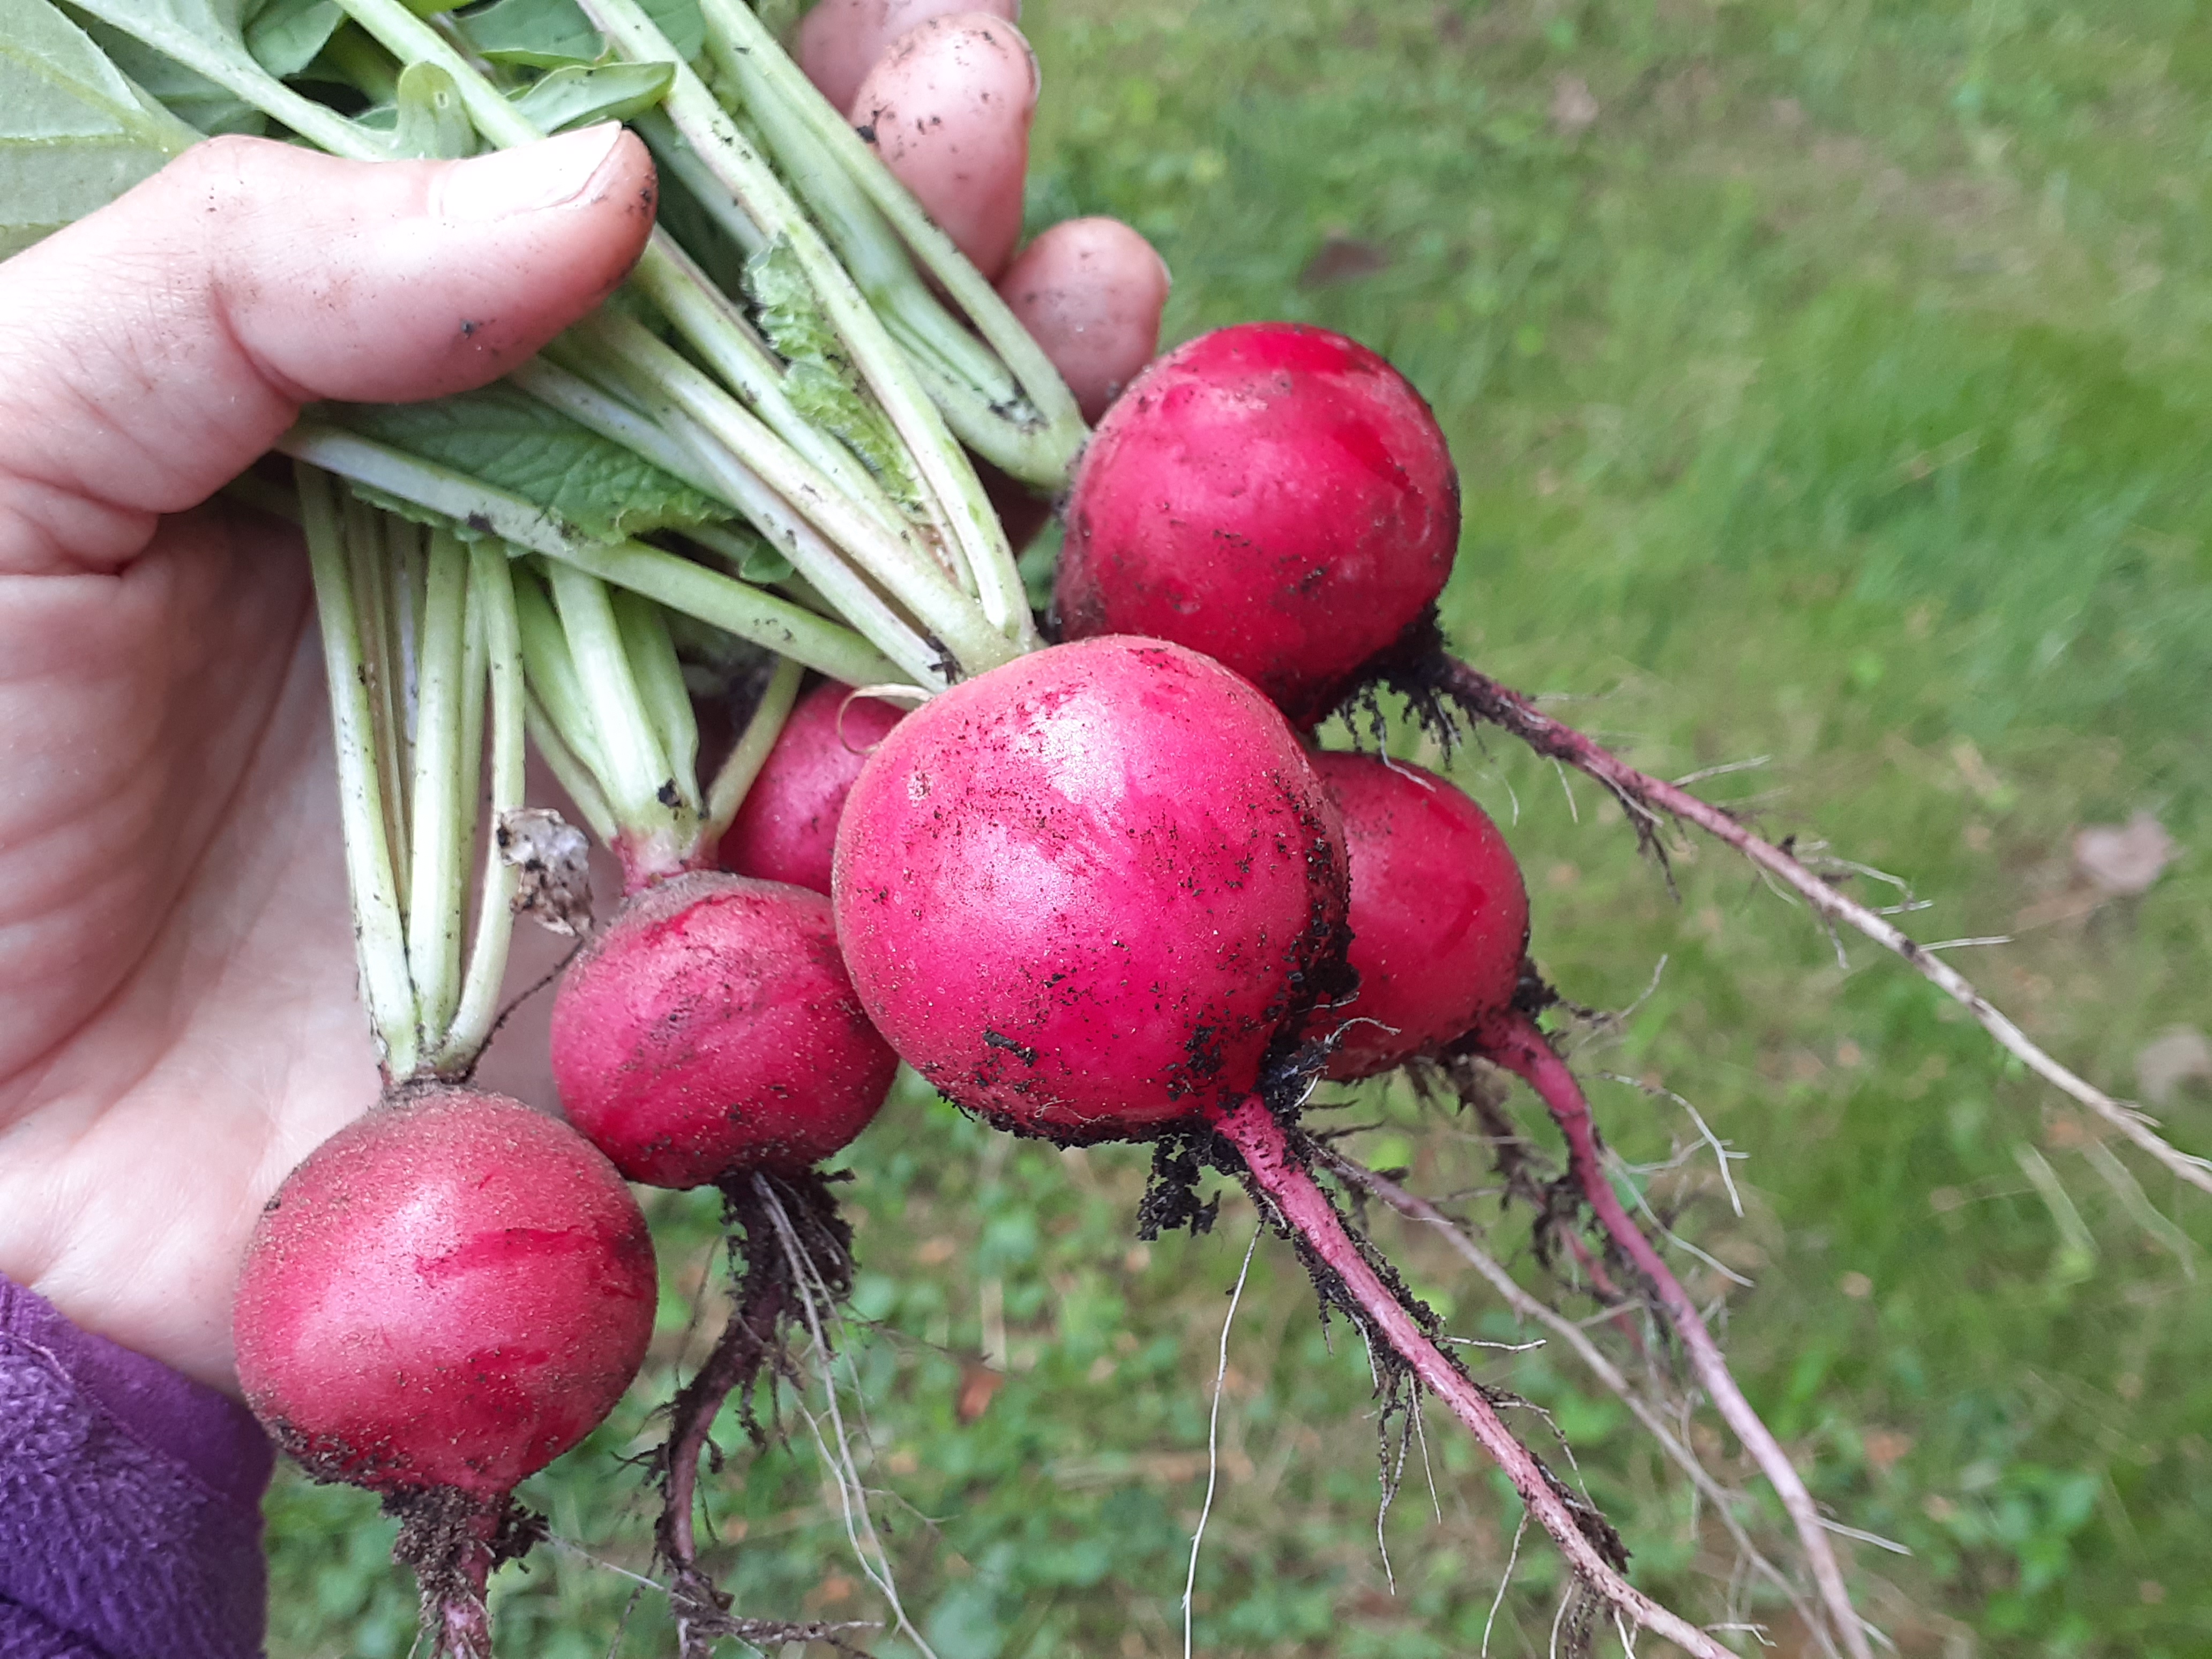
(1089, 891)
(449, 1292)
(949, 109)
(786, 828)
(712, 1031)
(1273, 495)
(1439, 913)
(1090, 292)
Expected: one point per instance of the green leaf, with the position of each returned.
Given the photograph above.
(74, 132)
(285, 35)
(683, 23)
(820, 382)
(208, 37)
(431, 123)
(539, 34)
(510, 440)
(575, 97)
(192, 99)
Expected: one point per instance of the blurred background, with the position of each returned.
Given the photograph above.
(1829, 384)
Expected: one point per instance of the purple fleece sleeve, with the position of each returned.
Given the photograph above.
(129, 1501)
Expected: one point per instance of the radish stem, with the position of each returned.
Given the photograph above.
(660, 679)
(958, 506)
(731, 606)
(492, 600)
(780, 97)
(380, 931)
(438, 882)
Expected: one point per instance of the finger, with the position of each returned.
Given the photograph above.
(1090, 292)
(948, 109)
(840, 40)
(150, 351)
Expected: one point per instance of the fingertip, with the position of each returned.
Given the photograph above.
(445, 274)
(157, 346)
(839, 41)
(1091, 292)
(949, 108)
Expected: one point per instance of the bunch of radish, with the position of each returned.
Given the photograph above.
(1110, 888)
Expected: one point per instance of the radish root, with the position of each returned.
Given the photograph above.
(1279, 1177)
(1511, 1041)
(1646, 797)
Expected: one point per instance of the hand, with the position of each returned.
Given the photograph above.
(178, 1023)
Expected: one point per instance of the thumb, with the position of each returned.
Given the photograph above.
(150, 351)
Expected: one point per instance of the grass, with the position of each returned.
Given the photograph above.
(1836, 395)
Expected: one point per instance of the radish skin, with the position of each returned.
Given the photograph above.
(1085, 891)
(448, 1293)
(1439, 912)
(1275, 496)
(787, 830)
(711, 1030)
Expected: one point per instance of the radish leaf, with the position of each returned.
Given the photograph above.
(431, 124)
(574, 96)
(820, 380)
(209, 38)
(512, 442)
(74, 132)
(285, 35)
(538, 33)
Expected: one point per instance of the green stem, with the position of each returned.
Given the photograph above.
(666, 699)
(491, 589)
(556, 693)
(727, 792)
(742, 46)
(684, 449)
(665, 271)
(475, 665)
(379, 932)
(1032, 434)
(731, 605)
(711, 325)
(574, 776)
(962, 512)
(718, 331)
(725, 439)
(674, 151)
(438, 887)
(370, 559)
(659, 835)
(412, 40)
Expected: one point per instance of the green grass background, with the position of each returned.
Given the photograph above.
(1838, 394)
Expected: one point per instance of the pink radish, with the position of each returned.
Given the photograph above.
(948, 109)
(1090, 292)
(1087, 892)
(786, 828)
(444, 1298)
(711, 1031)
(1439, 913)
(1273, 495)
